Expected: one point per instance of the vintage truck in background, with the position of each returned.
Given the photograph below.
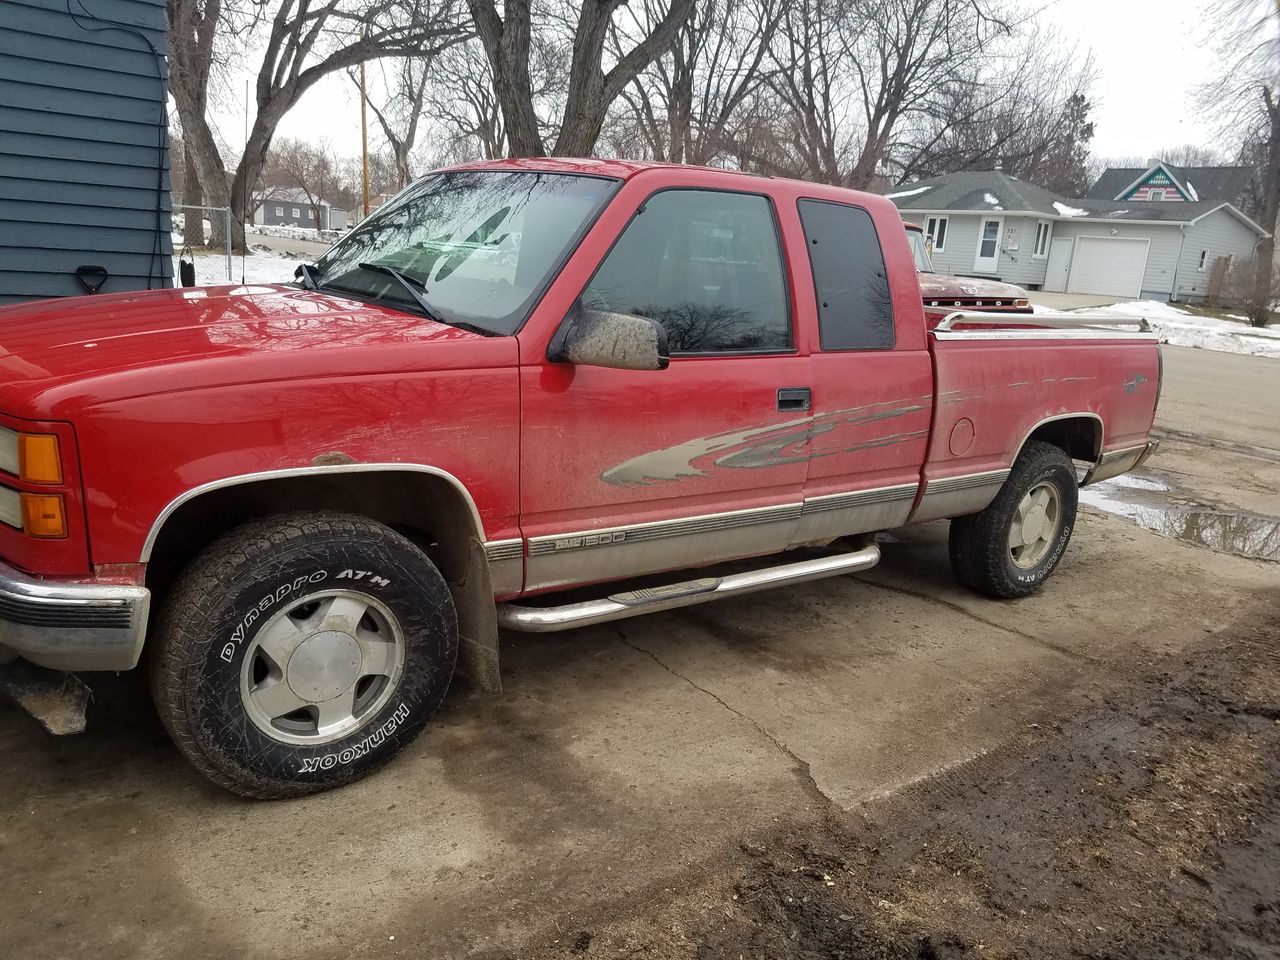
(302, 505)
(944, 294)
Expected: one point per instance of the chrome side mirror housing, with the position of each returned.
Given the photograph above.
(600, 338)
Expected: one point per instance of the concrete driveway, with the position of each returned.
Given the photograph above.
(1073, 301)
(623, 763)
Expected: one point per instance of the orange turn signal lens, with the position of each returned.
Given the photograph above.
(44, 515)
(38, 460)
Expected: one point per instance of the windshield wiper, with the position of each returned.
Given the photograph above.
(416, 288)
(309, 275)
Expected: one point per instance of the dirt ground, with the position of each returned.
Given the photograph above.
(874, 766)
(1147, 823)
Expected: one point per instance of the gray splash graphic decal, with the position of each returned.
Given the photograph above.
(768, 445)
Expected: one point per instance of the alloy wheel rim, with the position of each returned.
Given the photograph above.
(322, 667)
(1035, 525)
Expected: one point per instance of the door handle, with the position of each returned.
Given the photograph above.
(795, 398)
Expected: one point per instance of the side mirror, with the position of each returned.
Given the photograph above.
(597, 338)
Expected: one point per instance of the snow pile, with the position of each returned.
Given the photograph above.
(297, 233)
(906, 193)
(1065, 211)
(1116, 495)
(1192, 190)
(211, 269)
(992, 199)
(1182, 329)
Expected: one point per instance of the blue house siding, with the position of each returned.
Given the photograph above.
(84, 176)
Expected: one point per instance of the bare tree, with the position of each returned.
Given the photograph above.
(309, 167)
(1245, 99)
(400, 112)
(1026, 111)
(302, 42)
(681, 107)
(464, 102)
(508, 37)
(849, 77)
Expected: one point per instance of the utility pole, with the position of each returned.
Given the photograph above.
(364, 141)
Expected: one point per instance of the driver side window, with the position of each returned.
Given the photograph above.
(707, 265)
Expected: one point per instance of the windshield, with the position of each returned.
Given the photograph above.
(920, 251)
(480, 245)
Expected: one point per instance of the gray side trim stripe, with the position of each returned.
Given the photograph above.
(966, 482)
(556, 543)
(663, 529)
(860, 498)
(497, 550)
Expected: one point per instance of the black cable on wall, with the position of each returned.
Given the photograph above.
(162, 140)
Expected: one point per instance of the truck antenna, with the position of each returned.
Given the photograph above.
(244, 187)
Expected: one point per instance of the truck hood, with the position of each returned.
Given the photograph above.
(99, 347)
(938, 286)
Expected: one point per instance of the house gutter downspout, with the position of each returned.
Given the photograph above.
(1177, 264)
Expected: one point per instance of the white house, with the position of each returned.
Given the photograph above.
(1141, 243)
(291, 207)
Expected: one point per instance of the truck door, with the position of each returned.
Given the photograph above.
(626, 472)
(872, 378)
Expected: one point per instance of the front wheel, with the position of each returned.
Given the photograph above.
(300, 652)
(1010, 548)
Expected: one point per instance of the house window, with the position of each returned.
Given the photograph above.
(935, 229)
(279, 211)
(311, 214)
(1155, 193)
(1043, 230)
(297, 214)
(1204, 259)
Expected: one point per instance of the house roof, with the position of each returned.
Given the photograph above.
(995, 191)
(1209, 184)
(977, 190)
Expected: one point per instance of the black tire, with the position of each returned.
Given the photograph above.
(979, 544)
(212, 636)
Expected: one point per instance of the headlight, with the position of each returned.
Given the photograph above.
(11, 507)
(33, 458)
(30, 456)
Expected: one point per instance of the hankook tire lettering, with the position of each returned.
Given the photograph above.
(357, 750)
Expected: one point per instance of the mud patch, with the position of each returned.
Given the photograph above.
(1146, 825)
(1151, 504)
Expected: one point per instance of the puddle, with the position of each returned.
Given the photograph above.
(1146, 502)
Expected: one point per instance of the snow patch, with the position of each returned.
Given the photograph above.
(1066, 211)
(907, 193)
(211, 269)
(1182, 329)
(993, 200)
(1192, 190)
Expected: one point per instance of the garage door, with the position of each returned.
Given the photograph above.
(1108, 265)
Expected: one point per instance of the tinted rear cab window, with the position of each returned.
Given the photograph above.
(855, 311)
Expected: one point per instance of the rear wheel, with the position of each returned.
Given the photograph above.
(1010, 548)
(301, 652)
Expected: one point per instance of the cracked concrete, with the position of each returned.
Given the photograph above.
(804, 773)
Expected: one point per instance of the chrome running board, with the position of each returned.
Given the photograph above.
(652, 599)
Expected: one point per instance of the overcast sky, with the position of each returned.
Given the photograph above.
(1150, 58)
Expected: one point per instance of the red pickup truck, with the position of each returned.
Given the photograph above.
(306, 504)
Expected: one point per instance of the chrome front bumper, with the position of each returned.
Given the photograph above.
(72, 626)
